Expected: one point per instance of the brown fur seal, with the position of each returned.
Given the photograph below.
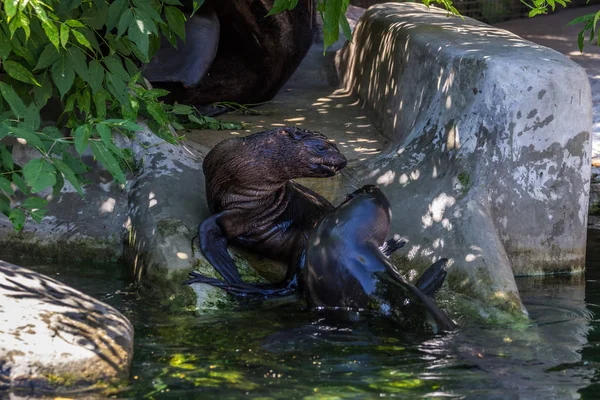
(255, 203)
(346, 268)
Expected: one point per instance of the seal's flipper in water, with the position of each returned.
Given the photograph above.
(242, 290)
(390, 246)
(433, 277)
(213, 244)
(417, 296)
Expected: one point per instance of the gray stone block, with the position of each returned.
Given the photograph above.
(489, 161)
(53, 336)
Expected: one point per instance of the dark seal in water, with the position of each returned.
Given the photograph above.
(346, 268)
(255, 203)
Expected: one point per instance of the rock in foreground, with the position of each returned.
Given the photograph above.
(53, 336)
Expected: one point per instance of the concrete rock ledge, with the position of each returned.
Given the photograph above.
(490, 157)
(53, 336)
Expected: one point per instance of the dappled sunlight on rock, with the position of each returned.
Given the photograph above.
(108, 206)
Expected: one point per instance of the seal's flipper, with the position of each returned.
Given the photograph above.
(213, 244)
(390, 246)
(242, 290)
(417, 296)
(432, 279)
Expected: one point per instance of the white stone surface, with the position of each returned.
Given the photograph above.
(52, 334)
(489, 162)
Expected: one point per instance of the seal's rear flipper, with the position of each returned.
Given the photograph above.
(213, 244)
(432, 279)
(389, 246)
(242, 290)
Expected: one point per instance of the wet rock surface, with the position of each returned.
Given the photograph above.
(53, 336)
(489, 161)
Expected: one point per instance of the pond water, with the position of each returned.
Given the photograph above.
(283, 352)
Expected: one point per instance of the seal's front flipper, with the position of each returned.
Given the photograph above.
(415, 295)
(213, 244)
(432, 279)
(243, 290)
(390, 246)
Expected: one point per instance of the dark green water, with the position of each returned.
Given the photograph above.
(285, 353)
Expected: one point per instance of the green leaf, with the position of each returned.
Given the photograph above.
(44, 93)
(20, 182)
(139, 34)
(14, 101)
(75, 164)
(196, 4)
(114, 65)
(68, 174)
(79, 62)
(583, 18)
(95, 18)
(5, 186)
(90, 37)
(82, 135)
(153, 94)
(118, 89)
(282, 5)
(52, 33)
(176, 21)
(4, 205)
(124, 22)
(157, 112)
(346, 28)
(63, 75)
(19, 72)
(17, 217)
(48, 57)
(5, 47)
(82, 39)
(132, 69)
(115, 11)
(27, 134)
(172, 2)
(105, 134)
(70, 103)
(580, 38)
(74, 23)
(96, 72)
(182, 109)
(124, 124)
(32, 117)
(334, 10)
(7, 160)
(146, 7)
(100, 98)
(39, 174)
(31, 203)
(561, 2)
(109, 162)
(84, 102)
(64, 35)
(10, 8)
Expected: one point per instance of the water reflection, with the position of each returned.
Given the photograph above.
(281, 351)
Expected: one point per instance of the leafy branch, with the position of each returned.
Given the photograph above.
(88, 57)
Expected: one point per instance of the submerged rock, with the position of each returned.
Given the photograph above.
(52, 335)
(489, 161)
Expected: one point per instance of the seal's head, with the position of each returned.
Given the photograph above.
(369, 209)
(311, 154)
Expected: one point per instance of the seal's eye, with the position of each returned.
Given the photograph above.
(320, 147)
